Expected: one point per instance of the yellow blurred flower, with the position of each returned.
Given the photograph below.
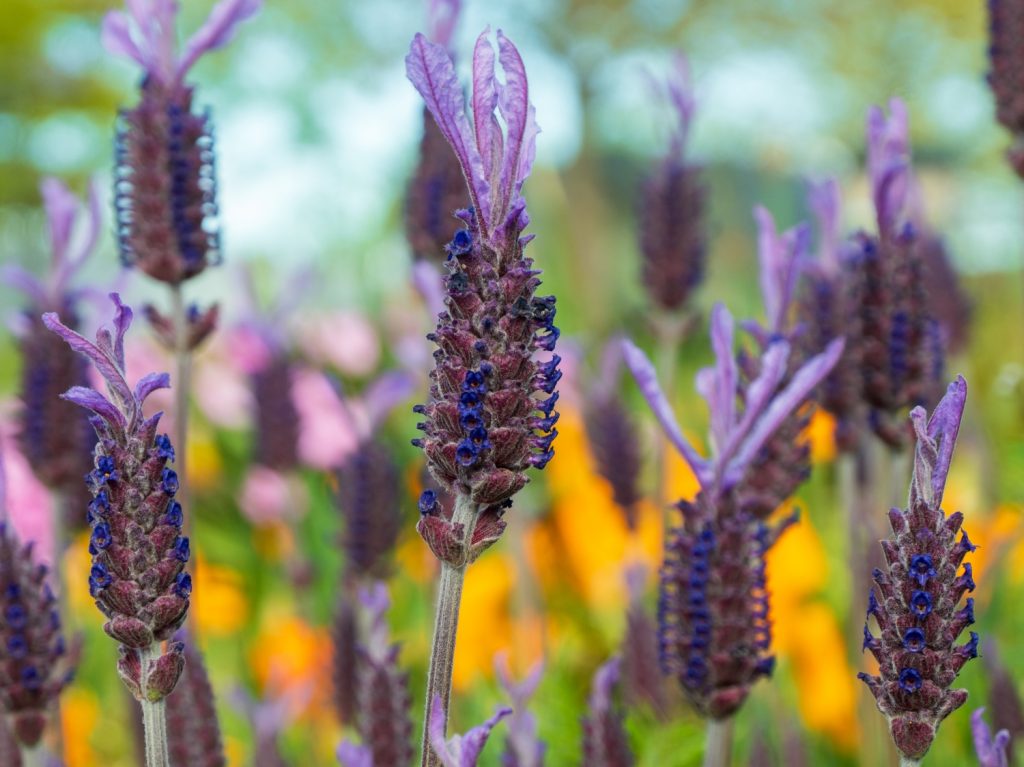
(291, 659)
(485, 623)
(234, 751)
(220, 606)
(77, 564)
(821, 433)
(203, 459)
(275, 541)
(80, 713)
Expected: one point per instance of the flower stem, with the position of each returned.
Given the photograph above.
(718, 739)
(905, 762)
(446, 624)
(154, 719)
(181, 386)
(33, 756)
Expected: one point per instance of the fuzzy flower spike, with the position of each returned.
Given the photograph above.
(713, 607)
(138, 551)
(916, 602)
(490, 415)
(165, 192)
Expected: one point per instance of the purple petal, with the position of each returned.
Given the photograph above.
(25, 281)
(680, 96)
(97, 403)
(937, 440)
(217, 31)
(780, 259)
(485, 98)
(150, 383)
(432, 73)
(353, 755)
(521, 691)
(106, 366)
(719, 388)
(116, 36)
(605, 679)
(443, 15)
(436, 723)
(789, 399)
(514, 103)
(991, 751)
(385, 393)
(646, 378)
(825, 201)
(888, 146)
(94, 224)
(122, 321)
(61, 208)
(472, 743)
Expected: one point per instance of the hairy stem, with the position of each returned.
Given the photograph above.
(446, 624)
(154, 718)
(718, 740)
(33, 756)
(905, 762)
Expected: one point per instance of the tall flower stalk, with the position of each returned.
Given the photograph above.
(490, 414)
(138, 550)
(714, 610)
(916, 599)
(165, 192)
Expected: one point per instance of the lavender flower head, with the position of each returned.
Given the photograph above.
(673, 241)
(54, 436)
(459, 750)
(916, 600)
(193, 732)
(484, 424)
(605, 743)
(713, 606)
(31, 643)
(1006, 73)
(991, 751)
(138, 551)
(165, 191)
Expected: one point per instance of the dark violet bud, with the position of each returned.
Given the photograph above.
(277, 420)
(605, 743)
(201, 323)
(613, 437)
(369, 498)
(137, 551)
(165, 188)
(916, 609)
(32, 672)
(1006, 73)
(671, 210)
(193, 732)
(480, 428)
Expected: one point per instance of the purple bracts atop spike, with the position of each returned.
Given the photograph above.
(31, 643)
(605, 743)
(672, 201)
(138, 552)
(494, 163)
(888, 147)
(459, 750)
(916, 603)
(522, 746)
(1006, 73)
(991, 751)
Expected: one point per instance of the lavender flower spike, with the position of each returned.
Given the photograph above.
(916, 606)
(605, 743)
(991, 751)
(165, 191)
(460, 750)
(1006, 73)
(138, 552)
(889, 167)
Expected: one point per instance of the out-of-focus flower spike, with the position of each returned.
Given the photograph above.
(1006, 72)
(916, 605)
(138, 552)
(429, 283)
(888, 149)
(605, 743)
(522, 746)
(991, 751)
(217, 31)
(1003, 699)
(781, 259)
(460, 750)
(642, 678)
(824, 198)
(32, 650)
(443, 15)
(345, 660)
(370, 503)
(193, 732)
(200, 324)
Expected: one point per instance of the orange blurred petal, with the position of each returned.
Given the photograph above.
(80, 713)
(221, 606)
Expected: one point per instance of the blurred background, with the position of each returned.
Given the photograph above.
(317, 135)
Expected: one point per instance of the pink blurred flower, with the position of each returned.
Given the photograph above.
(269, 496)
(327, 433)
(346, 341)
(24, 501)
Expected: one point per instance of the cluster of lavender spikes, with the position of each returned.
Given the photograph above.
(138, 551)
(917, 605)
(483, 427)
(713, 605)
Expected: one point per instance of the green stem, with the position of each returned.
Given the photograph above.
(905, 762)
(181, 386)
(33, 756)
(446, 624)
(154, 719)
(718, 739)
